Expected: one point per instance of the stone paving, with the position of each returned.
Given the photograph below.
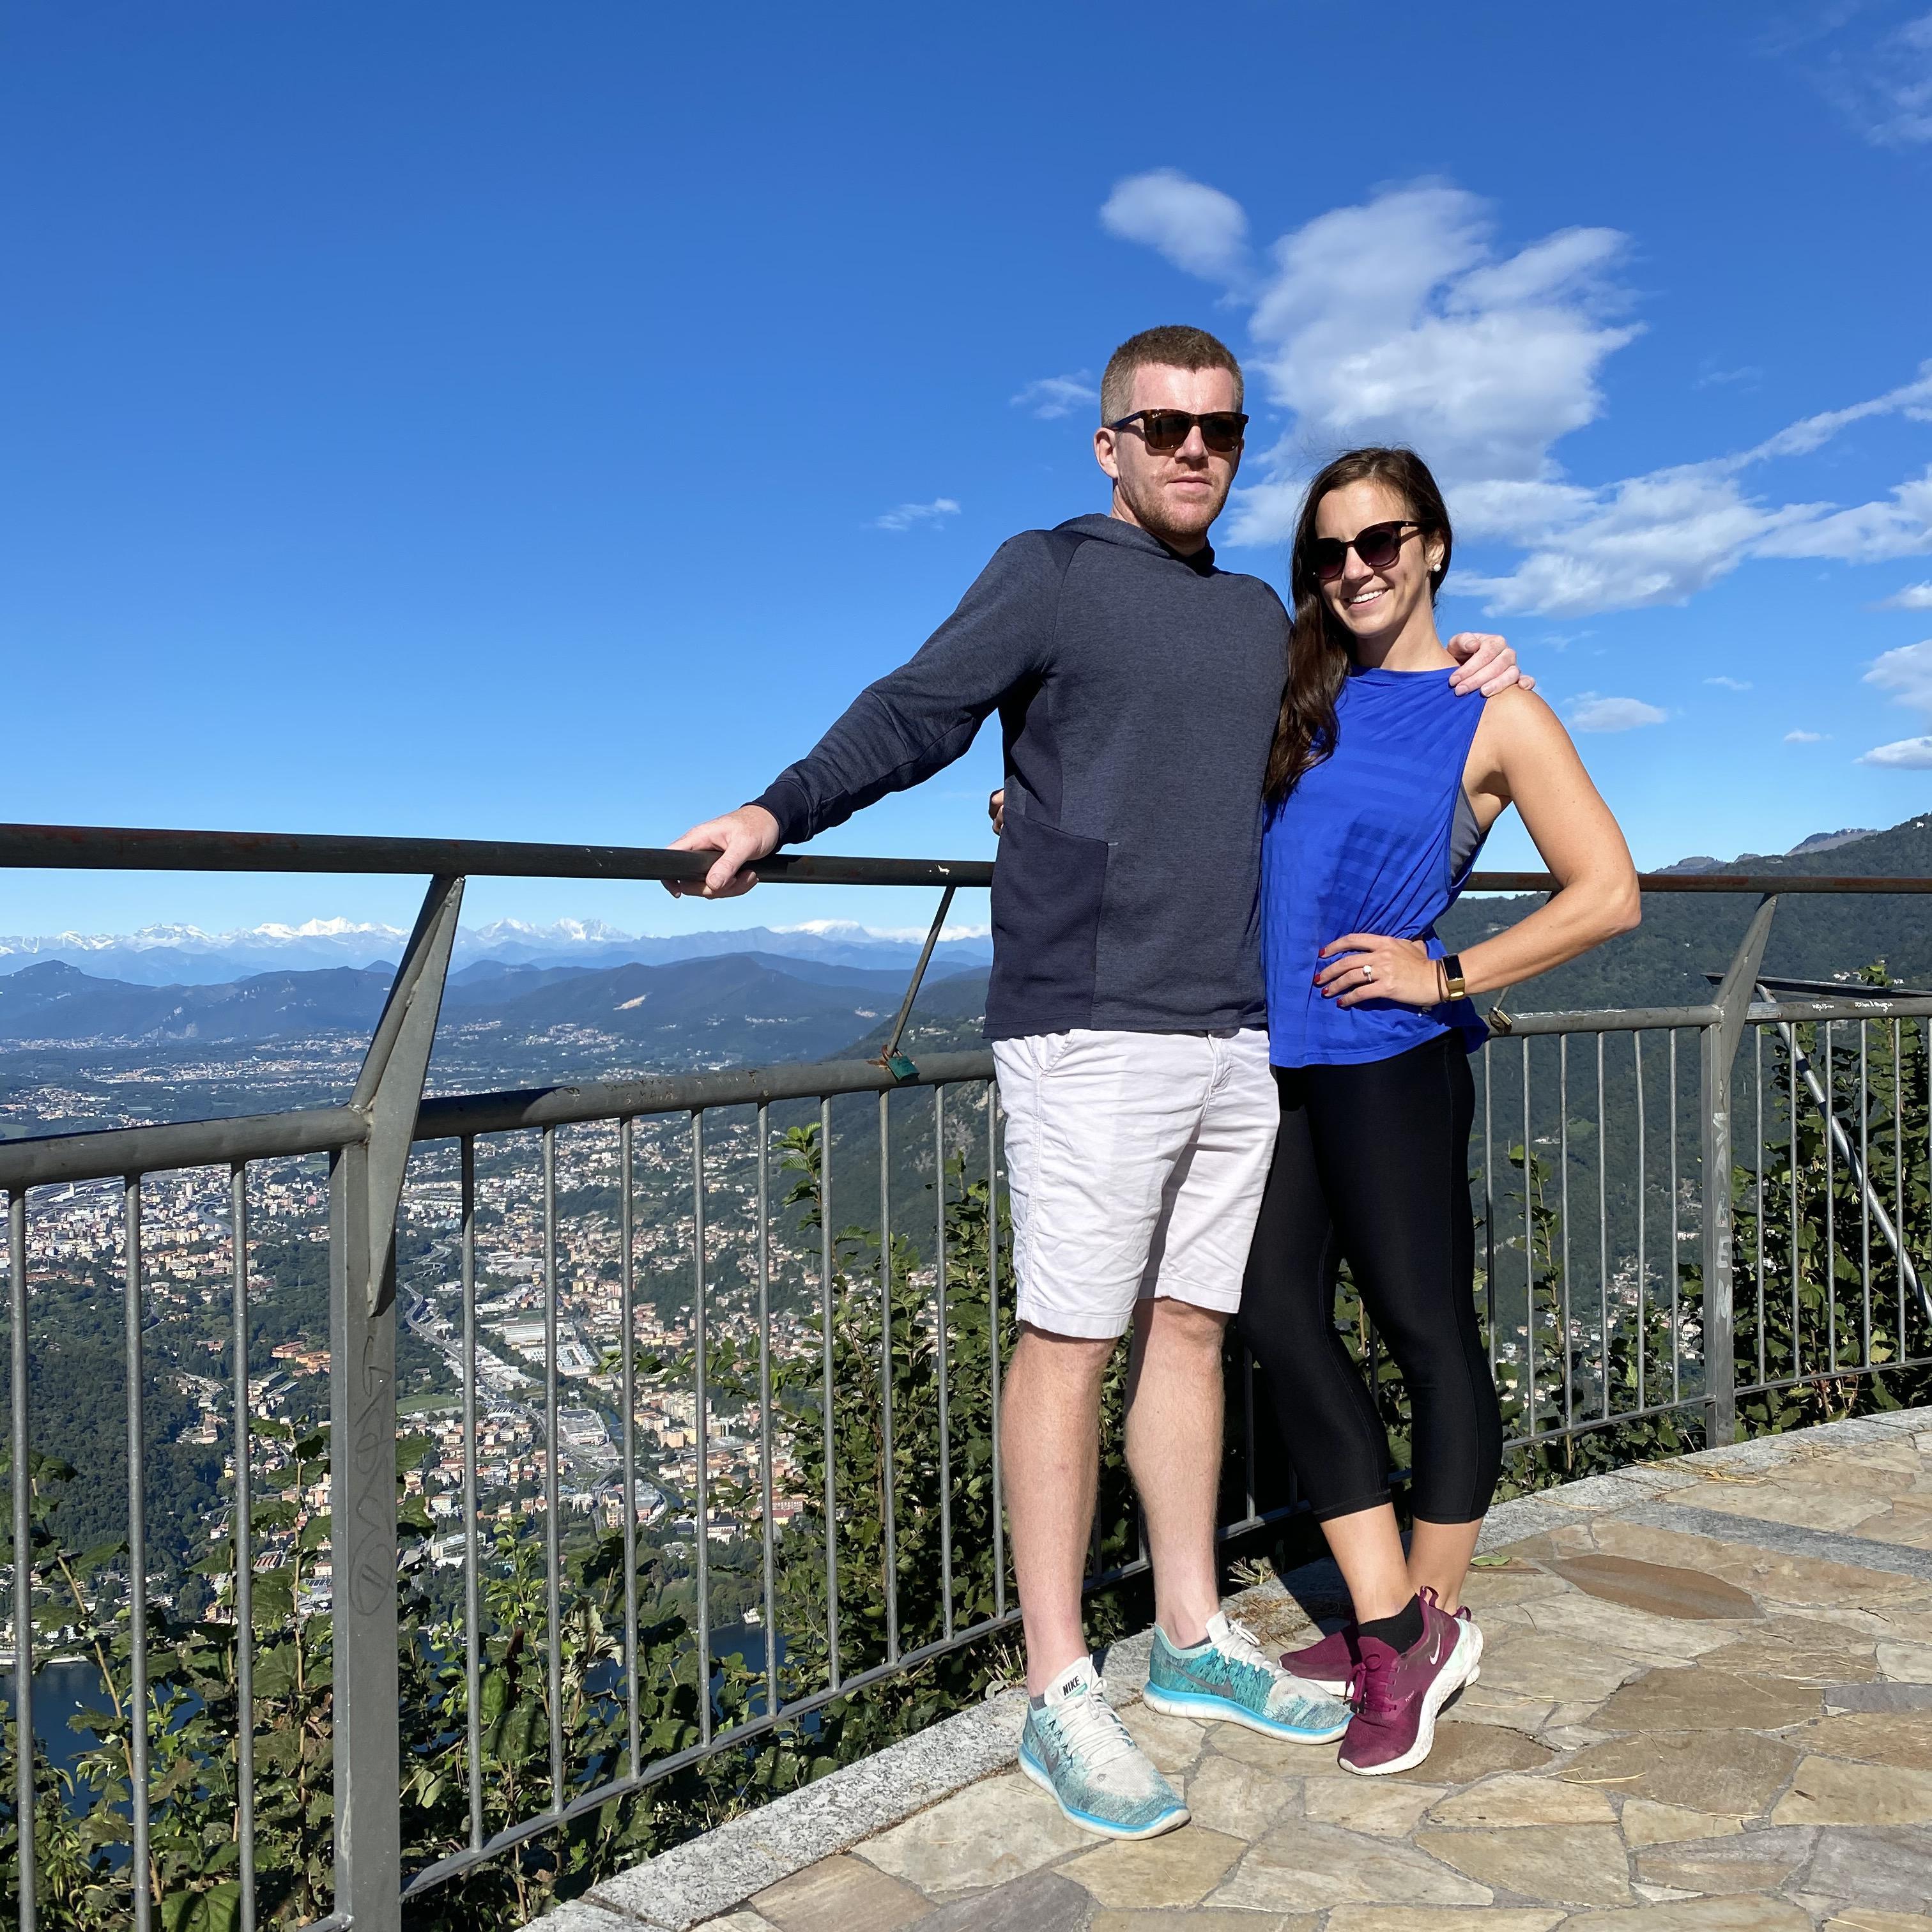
(1705, 1706)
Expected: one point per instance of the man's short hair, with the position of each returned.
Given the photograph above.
(1172, 346)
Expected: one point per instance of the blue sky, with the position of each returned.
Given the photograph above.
(536, 422)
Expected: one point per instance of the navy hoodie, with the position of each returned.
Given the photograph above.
(1138, 691)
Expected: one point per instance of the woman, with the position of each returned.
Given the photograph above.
(1382, 784)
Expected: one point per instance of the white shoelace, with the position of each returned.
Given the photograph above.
(1238, 1641)
(1092, 1728)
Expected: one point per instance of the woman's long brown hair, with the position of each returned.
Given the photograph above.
(1318, 651)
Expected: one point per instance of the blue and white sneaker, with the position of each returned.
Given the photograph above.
(1076, 1747)
(1231, 1679)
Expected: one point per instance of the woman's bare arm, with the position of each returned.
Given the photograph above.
(1523, 757)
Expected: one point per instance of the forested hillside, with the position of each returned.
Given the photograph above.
(1685, 935)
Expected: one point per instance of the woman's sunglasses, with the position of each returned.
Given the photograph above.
(1378, 546)
(1166, 430)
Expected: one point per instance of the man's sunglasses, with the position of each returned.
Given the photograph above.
(1378, 546)
(1166, 430)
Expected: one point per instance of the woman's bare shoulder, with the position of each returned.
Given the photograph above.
(1517, 716)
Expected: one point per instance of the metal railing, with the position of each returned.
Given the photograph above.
(1584, 1333)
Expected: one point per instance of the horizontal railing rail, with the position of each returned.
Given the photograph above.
(138, 849)
(1611, 1201)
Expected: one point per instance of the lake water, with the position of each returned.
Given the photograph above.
(61, 1691)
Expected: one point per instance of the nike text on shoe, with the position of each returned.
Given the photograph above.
(1398, 1693)
(1329, 1665)
(1231, 1679)
(1075, 1746)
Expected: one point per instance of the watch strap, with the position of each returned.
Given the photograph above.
(1452, 976)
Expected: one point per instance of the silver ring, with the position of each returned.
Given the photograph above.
(1368, 972)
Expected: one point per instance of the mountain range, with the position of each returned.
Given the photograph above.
(185, 956)
(726, 1007)
(178, 956)
(763, 995)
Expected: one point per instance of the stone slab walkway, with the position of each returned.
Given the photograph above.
(1706, 1706)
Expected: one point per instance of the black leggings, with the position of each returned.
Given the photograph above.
(1373, 1165)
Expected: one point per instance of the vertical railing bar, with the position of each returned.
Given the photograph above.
(945, 1391)
(1563, 1155)
(472, 1551)
(244, 1558)
(553, 1491)
(1603, 1238)
(1676, 1262)
(826, 1262)
(1797, 1331)
(627, 1301)
(701, 1407)
(888, 1455)
(23, 1563)
(1898, 1168)
(1248, 1430)
(1757, 1090)
(993, 1341)
(1865, 1191)
(1831, 1200)
(1643, 1311)
(1529, 1413)
(768, 1552)
(1490, 1201)
(139, 1873)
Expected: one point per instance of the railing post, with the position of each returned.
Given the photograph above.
(365, 1183)
(1718, 1042)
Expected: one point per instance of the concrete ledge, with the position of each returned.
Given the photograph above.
(707, 1875)
(711, 1875)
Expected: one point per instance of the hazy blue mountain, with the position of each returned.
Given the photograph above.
(721, 1008)
(169, 955)
(56, 1002)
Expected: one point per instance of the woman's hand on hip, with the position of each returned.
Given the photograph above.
(1373, 967)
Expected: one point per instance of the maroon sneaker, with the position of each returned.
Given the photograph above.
(1465, 1616)
(1397, 1693)
(1329, 1664)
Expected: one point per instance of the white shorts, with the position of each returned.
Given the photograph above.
(1135, 1166)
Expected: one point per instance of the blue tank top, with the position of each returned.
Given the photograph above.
(1377, 837)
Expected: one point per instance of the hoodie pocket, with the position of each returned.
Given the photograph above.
(1048, 887)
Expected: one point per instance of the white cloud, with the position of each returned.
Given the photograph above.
(1911, 754)
(1730, 683)
(1402, 320)
(1907, 673)
(1590, 712)
(1805, 737)
(1886, 91)
(1053, 396)
(1661, 538)
(1197, 228)
(910, 516)
(1900, 526)
(1712, 376)
(1913, 597)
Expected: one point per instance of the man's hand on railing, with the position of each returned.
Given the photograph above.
(740, 838)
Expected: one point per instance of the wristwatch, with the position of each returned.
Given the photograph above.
(1452, 987)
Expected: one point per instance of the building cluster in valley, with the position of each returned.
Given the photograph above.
(541, 1297)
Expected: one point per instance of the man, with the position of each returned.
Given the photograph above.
(1137, 686)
